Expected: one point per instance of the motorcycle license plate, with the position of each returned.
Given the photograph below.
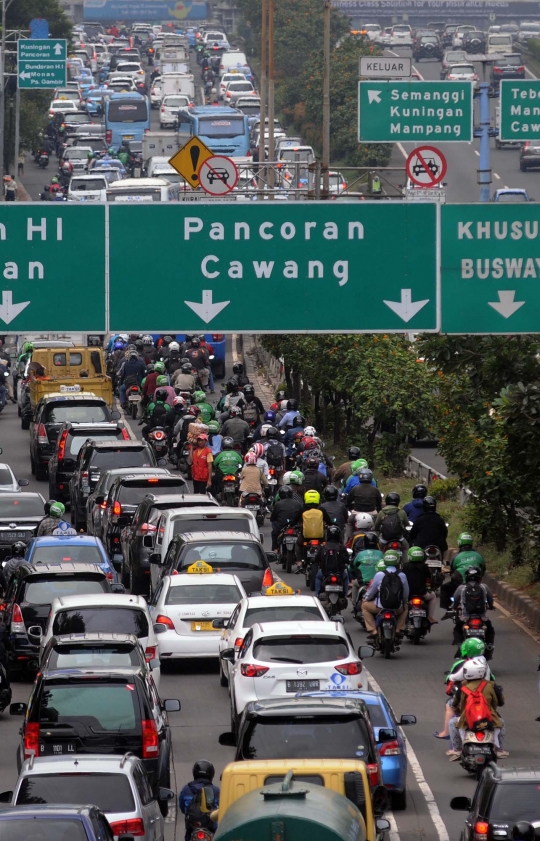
(272, 481)
(134, 398)
(417, 612)
(58, 749)
(477, 632)
(434, 563)
(302, 685)
(252, 507)
(289, 542)
(333, 588)
(202, 626)
(485, 749)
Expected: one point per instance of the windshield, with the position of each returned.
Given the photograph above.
(301, 649)
(43, 592)
(60, 553)
(285, 613)
(250, 110)
(82, 656)
(211, 524)
(204, 594)
(225, 555)
(19, 507)
(52, 829)
(109, 792)
(95, 144)
(512, 197)
(75, 152)
(513, 803)
(294, 155)
(83, 620)
(510, 61)
(175, 101)
(311, 737)
(77, 119)
(70, 411)
(6, 476)
(500, 39)
(429, 39)
(240, 86)
(127, 112)
(402, 29)
(229, 127)
(109, 459)
(91, 185)
(139, 194)
(128, 66)
(100, 706)
(463, 69)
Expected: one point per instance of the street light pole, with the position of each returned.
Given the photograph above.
(484, 173)
(263, 86)
(325, 163)
(271, 109)
(2, 92)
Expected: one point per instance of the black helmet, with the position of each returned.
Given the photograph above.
(249, 389)
(292, 405)
(371, 540)
(203, 770)
(473, 574)
(186, 367)
(429, 503)
(195, 342)
(333, 533)
(365, 475)
(272, 432)
(18, 549)
(238, 368)
(298, 421)
(47, 506)
(162, 395)
(312, 462)
(285, 492)
(419, 492)
(353, 453)
(233, 383)
(227, 443)
(280, 395)
(167, 339)
(330, 492)
(392, 498)
(139, 344)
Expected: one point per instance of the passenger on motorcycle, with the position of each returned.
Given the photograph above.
(162, 383)
(465, 558)
(476, 598)
(417, 572)
(252, 478)
(313, 478)
(372, 604)
(363, 566)
(354, 477)
(281, 411)
(252, 407)
(332, 557)
(131, 373)
(344, 470)
(150, 383)
(207, 411)
(201, 459)
(285, 510)
(267, 422)
(364, 496)
(358, 524)
(429, 529)
(236, 427)
(280, 395)
(258, 449)
(391, 522)
(200, 360)
(475, 673)
(335, 509)
(295, 479)
(183, 378)
(312, 521)
(414, 508)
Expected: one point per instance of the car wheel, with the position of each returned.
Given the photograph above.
(125, 577)
(497, 144)
(41, 472)
(522, 166)
(135, 585)
(223, 679)
(33, 467)
(25, 422)
(399, 800)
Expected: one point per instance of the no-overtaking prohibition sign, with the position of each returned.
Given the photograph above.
(426, 166)
(218, 175)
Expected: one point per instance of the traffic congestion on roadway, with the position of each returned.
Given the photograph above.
(229, 607)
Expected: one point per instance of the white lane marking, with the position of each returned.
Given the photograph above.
(233, 350)
(429, 797)
(531, 74)
(416, 70)
(402, 150)
(476, 152)
(533, 634)
(394, 833)
(498, 177)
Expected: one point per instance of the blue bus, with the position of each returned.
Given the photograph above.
(225, 130)
(127, 117)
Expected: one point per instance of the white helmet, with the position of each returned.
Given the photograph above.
(475, 669)
(310, 431)
(283, 405)
(174, 346)
(124, 337)
(264, 429)
(287, 477)
(363, 521)
(147, 340)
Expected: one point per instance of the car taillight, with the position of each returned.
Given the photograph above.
(481, 829)
(238, 642)
(164, 620)
(349, 668)
(109, 576)
(373, 773)
(390, 749)
(520, 69)
(416, 601)
(134, 826)
(497, 70)
(147, 528)
(42, 435)
(108, 135)
(250, 670)
(268, 578)
(162, 109)
(31, 740)
(125, 435)
(150, 653)
(150, 739)
(61, 443)
(17, 621)
(117, 509)
(218, 337)
(526, 146)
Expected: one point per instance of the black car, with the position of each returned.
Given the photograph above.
(71, 437)
(95, 509)
(229, 551)
(509, 66)
(428, 46)
(447, 35)
(503, 797)
(474, 41)
(51, 413)
(20, 516)
(28, 599)
(122, 501)
(94, 459)
(529, 155)
(105, 710)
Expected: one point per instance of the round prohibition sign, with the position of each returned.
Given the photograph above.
(218, 175)
(426, 166)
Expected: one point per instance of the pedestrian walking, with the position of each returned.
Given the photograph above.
(10, 188)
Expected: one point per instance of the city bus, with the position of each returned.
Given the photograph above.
(225, 130)
(127, 117)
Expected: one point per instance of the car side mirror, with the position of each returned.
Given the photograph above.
(34, 634)
(115, 415)
(458, 804)
(160, 628)
(148, 541)
(165, 794)
(23, 483)
(118, 588)
(171, 705)
(228, 655)
(155, 663)
(155, 558)
(386, 734)
(219, 623)
(382, 825)
(99, 499)
(271, 557)
(228, 740)
(6, 796)
(366, 651)
(407, 719)
(19, 708)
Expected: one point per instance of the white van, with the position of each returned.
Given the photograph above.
(87, 188)
(140, 190)
(231, 61)
(500, 42)
(177, 83)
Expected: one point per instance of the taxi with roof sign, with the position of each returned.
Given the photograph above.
(280, 603)
(185, 607)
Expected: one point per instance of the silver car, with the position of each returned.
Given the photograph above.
(8, 481)
(117, 785)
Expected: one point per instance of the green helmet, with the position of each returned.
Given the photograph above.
(28, 347)
(159, 367)
(465, 539)
(380, 566)
(110, 150)
(472, 647)
(415, 553)
(213, 427)
(162, 380)
(358, 464)
(392, 558)
(57, 509)
(296, 477)
(199, 397)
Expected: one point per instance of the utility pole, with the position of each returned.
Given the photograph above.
(484, 173)
(325, 163)
(271, 111)
(263, 87)
(17, 128)
(2, 91)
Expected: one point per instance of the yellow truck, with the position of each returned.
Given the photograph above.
(71, 370)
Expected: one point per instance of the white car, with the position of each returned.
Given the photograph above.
(401, 35)
(279, 659)
(236, 88)
(170, 106)
(233, 76)
(288, 607)
(186, 606)
(131, 68)
(462, 73)
(8, 481)
(155, 93)
(77, 156)
(59, 106)
(87, 188)
(69, 93)
(373, 30)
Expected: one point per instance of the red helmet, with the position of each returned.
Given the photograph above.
(310, 444)
(250, 458)
(258, 449)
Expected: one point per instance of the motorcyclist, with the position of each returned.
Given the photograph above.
(292, 411)
(150, 383)
(281, 411)
(215, 440)
(123, 154)
(203, 774)
(54, 189)
(344, 470)
(474, 674)
(234, 396)
(131, 373)
(200, 360)
(150, 352)
(173, 362)
(162, 383)
(267, 421)
(414, 508)
(258, 449)
(227, 462)
(285, 510)
(312, 521)
(332, 557)
(240, 374)
(236, 427)
(183, 378)
(52, 520)
(295, 479)
(274, 452)
(417, 572)
(207, 411)
(358, 524)
(280, 395)
(429, 529)
(252, 407)
(372, 606)
(471, 647)
(313, 478)
(210, 351)
(463, 606)
(362, 567)
(364, 496)
(252, 478)
(15, 559)
(335, 509)
(354, 478)
(391, 522)
(465, 558)
(295, 433)
(159, 413)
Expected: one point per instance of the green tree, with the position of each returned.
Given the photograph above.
(20, 12)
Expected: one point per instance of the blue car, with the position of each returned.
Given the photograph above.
(79, 548)
(78, 823)
(392, 746)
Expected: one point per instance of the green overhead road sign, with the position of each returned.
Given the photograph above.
(520, 110)
(306, 267)
(47, 284)
(41, 63)
(490, 273)
(415, 111)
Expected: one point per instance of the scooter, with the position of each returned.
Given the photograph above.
(287, 544)
(434, 563)
(331, 596)
(255, 503)
(134, 397)
(158, 441)
(43, 160)
(477, 751)
(229, 493)
(385, 640)
(417, 622)
(309, 567)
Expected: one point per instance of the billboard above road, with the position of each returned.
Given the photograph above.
(444, 10)
(157, 10)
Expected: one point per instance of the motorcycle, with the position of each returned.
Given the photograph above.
(272, 486)
(477, 751)
(331, 595)
(158, 441)
(255, 503)
(133, 397)
(417, 622)
(229, 493)
(309, 567)
(356, 602)
(385, 640)
(287, 544)
(434, 562)
(43, 160)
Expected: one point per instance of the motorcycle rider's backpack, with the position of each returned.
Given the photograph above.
(331, 561)
(391, 528)
(358, 543)
(250, 411)
(473, 599)
(391, 591)
(313, 524)
(477, 712)
(274, 455)
(198, 811)
(159, 415)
